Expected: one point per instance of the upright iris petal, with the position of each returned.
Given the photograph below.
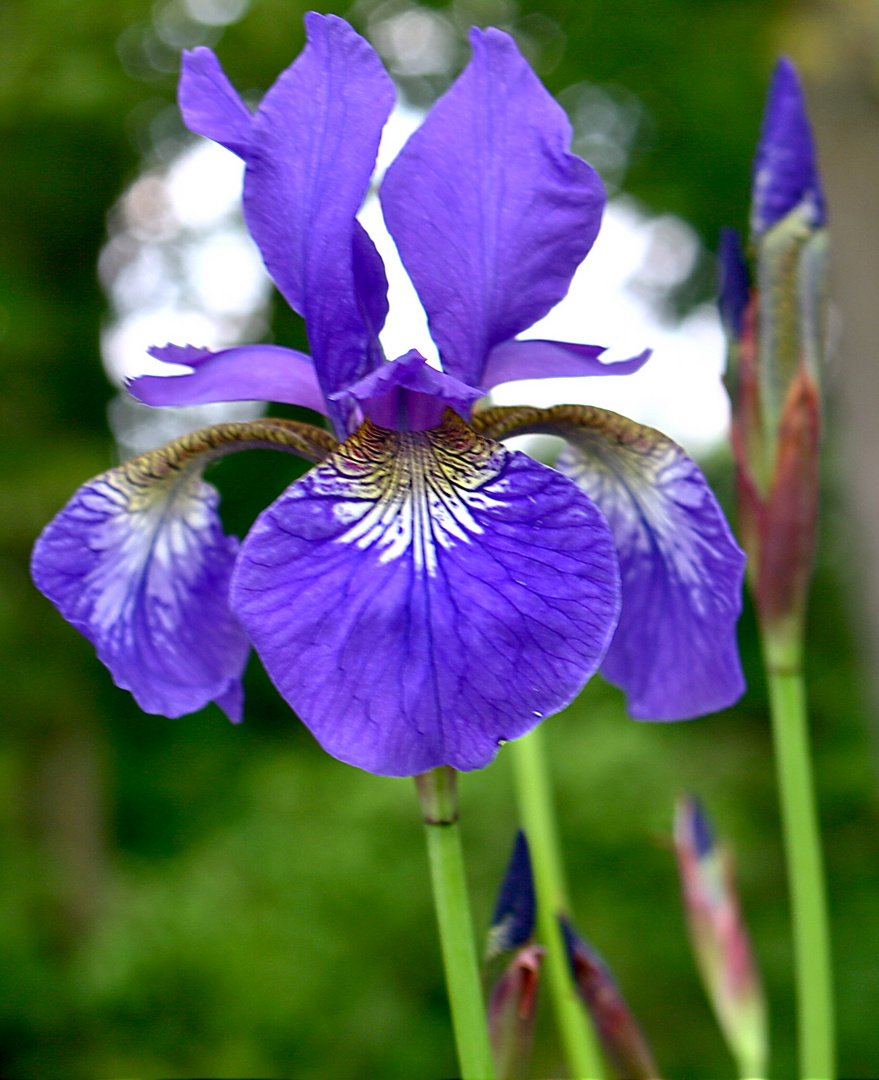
(491, 213)
(316, 135)
(421, 597)
(310, 150)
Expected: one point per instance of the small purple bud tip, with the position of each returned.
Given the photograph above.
(513, 921)
(703, 836)
(785, 172)
(735, 282)
(719, 937)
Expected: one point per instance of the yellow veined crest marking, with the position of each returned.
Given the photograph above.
(413, 490)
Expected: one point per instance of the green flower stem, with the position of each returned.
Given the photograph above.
(538, 820)
(787, 695)
(437, 791)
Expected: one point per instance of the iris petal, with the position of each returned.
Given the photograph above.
(210, 104)
(138, 562)
(408, 394)
(674, 651)
(421, 596)
(315, 138)
(540, 359)
(490, 212)
(242, 373)
(370, 289)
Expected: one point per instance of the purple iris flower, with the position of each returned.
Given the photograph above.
(424, 593)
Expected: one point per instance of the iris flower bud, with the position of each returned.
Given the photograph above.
(512, 1010)
(719, 938)
(621, 1037)
(777, 335)
(512, 1006)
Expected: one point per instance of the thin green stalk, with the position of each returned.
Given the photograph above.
(787, 696)
(437, 791)
(538, 819)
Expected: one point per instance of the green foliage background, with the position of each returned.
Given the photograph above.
(184, 898)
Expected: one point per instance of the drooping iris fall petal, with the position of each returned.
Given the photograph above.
(422, 596)
(674, 651)
(138, 562)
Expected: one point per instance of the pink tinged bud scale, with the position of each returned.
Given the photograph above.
(512, 1010)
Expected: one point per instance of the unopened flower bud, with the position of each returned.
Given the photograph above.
(513, 921)
(512, 1009)
(719, 938)
(621, 1036)
(777, 336)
